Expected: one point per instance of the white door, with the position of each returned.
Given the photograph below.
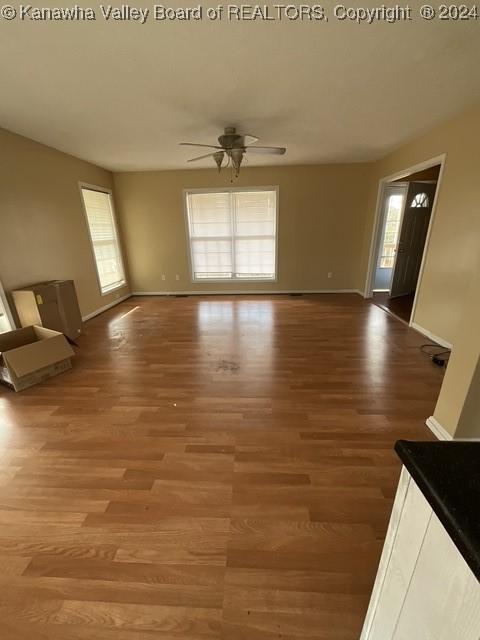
(416, 218)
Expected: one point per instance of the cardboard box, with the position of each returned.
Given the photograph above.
(31, 355)
(51, 304)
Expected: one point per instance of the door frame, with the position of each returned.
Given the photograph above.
(374, 243)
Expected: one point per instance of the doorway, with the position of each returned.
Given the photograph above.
(404, 220)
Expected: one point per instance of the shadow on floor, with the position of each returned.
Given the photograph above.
(401, 306)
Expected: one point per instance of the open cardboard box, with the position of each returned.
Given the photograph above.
(51, 304)
(33, 354)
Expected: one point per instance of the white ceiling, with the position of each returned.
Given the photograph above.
(122, 95)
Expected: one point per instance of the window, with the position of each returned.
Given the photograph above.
(6, 322)
(392, 227)
(420, 200)
(103, 234)
(232, 234)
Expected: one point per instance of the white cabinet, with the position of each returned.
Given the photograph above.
(424, 589)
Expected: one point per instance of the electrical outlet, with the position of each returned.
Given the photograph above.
(163, 276)
(177, 277)
(329, 274)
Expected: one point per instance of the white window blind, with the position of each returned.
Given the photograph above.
(233, 234)
(104, 237)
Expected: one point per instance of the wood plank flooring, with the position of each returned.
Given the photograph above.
(212, 467)
(400, 307)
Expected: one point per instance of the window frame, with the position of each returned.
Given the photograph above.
(232, 280)
(93, 187)
(6, 307)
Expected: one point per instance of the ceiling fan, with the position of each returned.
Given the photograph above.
(231, 147)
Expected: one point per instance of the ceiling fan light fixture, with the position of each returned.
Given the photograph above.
(237, 157)
(218, 157)
(232, 147)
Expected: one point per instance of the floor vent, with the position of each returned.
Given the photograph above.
(295, 295)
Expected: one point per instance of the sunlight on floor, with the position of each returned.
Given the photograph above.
(376, 347)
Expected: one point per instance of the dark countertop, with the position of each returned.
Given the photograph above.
(448, 475)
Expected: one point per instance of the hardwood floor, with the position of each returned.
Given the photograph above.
(216, 467)
(401, 306)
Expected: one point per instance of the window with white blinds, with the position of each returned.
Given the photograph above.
(233, 234)
(6, 322)
(104, 237)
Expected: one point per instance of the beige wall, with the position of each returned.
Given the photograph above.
(43, 232)
(455, 236)
(321, 222)
(458, 406)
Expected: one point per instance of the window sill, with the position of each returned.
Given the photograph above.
(233, 280)
(106, 292)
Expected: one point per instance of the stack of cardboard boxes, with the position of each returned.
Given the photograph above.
(51, 304)
(48, 311)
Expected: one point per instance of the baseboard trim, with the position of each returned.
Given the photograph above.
(236, 292)
(97, 312)
(432, 336)
(436, 428)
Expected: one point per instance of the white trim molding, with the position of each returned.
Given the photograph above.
(237, 292)
(432, 336)
(436, 428)
(442, 434)
(97, 312)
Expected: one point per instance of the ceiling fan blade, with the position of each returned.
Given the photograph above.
(194, 144)
(278, 151)
(207, 155)
(249, 139)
